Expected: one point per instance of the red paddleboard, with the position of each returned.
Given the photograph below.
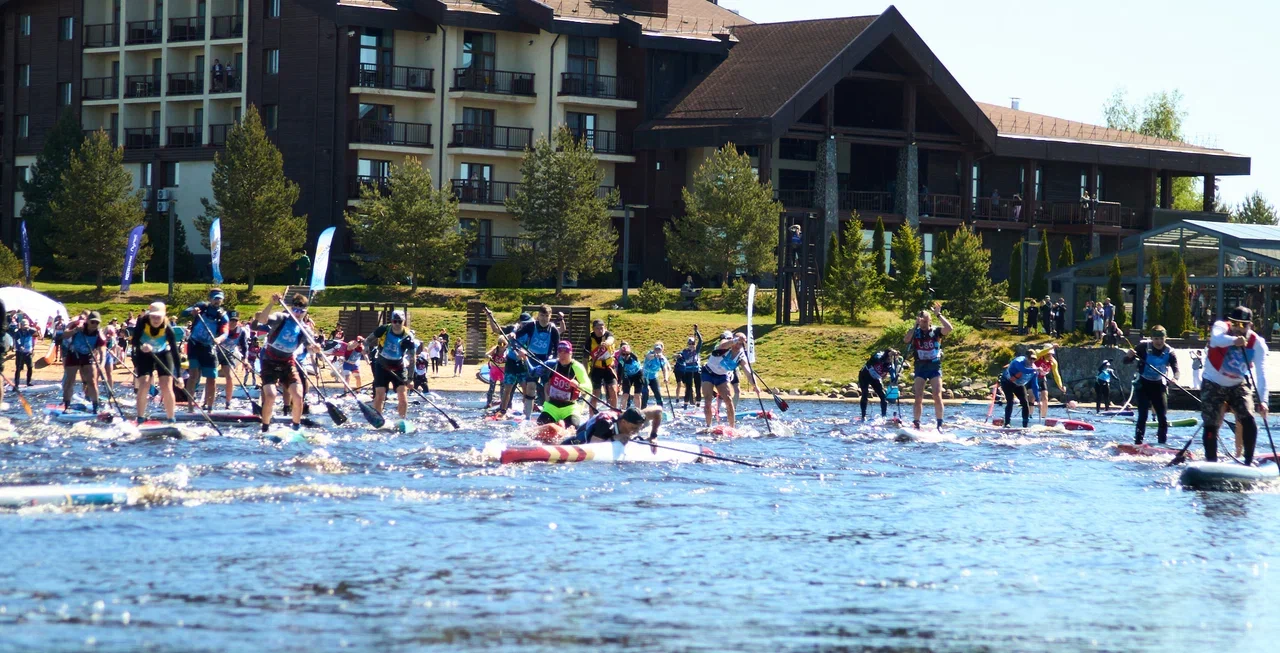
(1068, 424)
(721, 431)
(1148, 450)
(549, 433)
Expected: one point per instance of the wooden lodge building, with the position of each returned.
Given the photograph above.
(847, 117)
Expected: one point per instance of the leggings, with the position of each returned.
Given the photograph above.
(1011, 391)
(22, 359)
(1102, 394)
(692, 384)
(420, 382)
(652, 384)
(457, 365)
(865, 382)
(488, 397)
(435, 364)
(1152, 396)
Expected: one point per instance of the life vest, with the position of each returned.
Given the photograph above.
(282, 342)
(199, 331)
(1232, 362)
(559, 388)
(1160, 363)
(606, 420)
(158, 339)
(630, 364)
(653, 365)
(928, 346)
(879, 365)
(83, 343)
(539, 341)
(687, 359)
(393, 346)
(724, 361)
(596, 344)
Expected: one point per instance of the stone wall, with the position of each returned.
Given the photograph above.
(1079, 366)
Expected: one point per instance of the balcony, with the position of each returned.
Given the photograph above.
(141, 138)
(796, 198)
(1110, 214)
(999, 210)
(191, 83)
(491, 137)
(218, 134)
(494, 247)
(500, 82)
(479, 191)
(397, 78)
(866, 201)
(136, 86)
(389, 132)
(936, 205)
(184, 136)
(357, 183)
(143, 31)
(102, 36)
(111, 135)
(604, 141)
(224, 84)
(604, 87)
(228, 27)
(190, 28)
(100, 88)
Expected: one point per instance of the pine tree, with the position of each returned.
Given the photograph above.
(1177, 317)
(960, 274)
(852, 286)
(1015, 272)
(830, 262)
(11, 272)
(908, 287)
(93, 211)
(255, 200)
(46, 178)
(412, 232)
(730, 220)
(1040, 278)
(1155, 301)
(1066, 256)
(559, 207)
(1254, 210)
(1115, 291)
(877, 247)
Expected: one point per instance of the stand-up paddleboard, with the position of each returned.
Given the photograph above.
(62, 495)
(1149, 450)
(601, 452)
(1173, 423)
(470, 403)
(1117, 413)
(1068, 424)
(405, 426)
(1227, 476)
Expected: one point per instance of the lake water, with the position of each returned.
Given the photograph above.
(846, 540)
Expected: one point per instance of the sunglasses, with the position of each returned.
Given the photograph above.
(397, 321)
(298, 309)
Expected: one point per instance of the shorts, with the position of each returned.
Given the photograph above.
(201, 361)
(553, 413)
(603, 377)
(513, 375)
(78, 360)
(714, 379)
(145, 364)
(385, 377)
(927, 369)
(279, 371)
(350, 367)
(633, 381)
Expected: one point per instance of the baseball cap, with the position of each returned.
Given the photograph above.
(1158, 332)
(727, 335)
(397, 315)
(233, 315)
(216, 294)
(156, 308)
(565, 345)
(94, 316)
(525, 317)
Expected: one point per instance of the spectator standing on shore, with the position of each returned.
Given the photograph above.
(459, 355)
(1033, 316)
(1046, 315)
(1061, 317)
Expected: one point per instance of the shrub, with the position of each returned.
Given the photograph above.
(456, 303)
(505, 274)
(651, 297)
(733, 298)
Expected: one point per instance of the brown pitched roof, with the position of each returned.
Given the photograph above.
(770, 64)
(1024, 124)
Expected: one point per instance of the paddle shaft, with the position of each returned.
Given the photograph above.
(111, 393)
(1182, 455)
(703, 454)
(369, 413)
(193, 402)
(26, 405)
(1262, 401)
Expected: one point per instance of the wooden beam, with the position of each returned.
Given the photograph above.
(1209, 188)
(966, 191)
(909, 110)
(1166, 189)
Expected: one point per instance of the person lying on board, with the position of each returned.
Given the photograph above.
(607, 426)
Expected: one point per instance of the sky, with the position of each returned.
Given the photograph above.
(1066, 59)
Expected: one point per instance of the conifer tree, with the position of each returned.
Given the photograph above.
(907, 288)
(960, 274)
(1155, 301)
(1177, 316)
(1066, 256)
(877, 247)
(1116, 291)
(1040, 278)
(851, 287)
(1015, 272)
(45, 180)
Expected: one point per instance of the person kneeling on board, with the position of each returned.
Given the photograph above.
(564, 388)
(1017, 375)
(1234, 348)
(1155, 359)
(871, 376)
(618, 427)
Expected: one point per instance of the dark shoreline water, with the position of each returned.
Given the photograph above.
(847, 540)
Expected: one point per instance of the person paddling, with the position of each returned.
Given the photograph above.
(1155, 360)
(394, 343)
(603, 376)
(155, 349)
(631, 372)
(1020, 373)
(564, 388)
(871, 376)
(1046, 365)
(284, 336)
(609, 425)
(83, 341)
(1235, 353)
(722, 363)
(208, 331)
(926, 340)
(234, 350)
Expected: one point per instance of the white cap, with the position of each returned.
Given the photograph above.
(157, 308)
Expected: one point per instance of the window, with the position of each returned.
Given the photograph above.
(171, 171)
(377, 112)
(479, 50)
(273, 8)
(583, 126)
(583, 54)
(796, 149)
(1098, 187)
(24, 126)
(270, 116)
(66, 28)
(1039, 186)
(22, 173)
(977, 182)
(273, 62)
(24, 24)
(144, 173)
(1084, 183)
(373, 168)
(64, 94)
(24, 75)
(476, 171)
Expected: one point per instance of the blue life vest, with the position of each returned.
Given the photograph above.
(83, 343)
(653, 365)
(1020, 371)
(286, 340)
(1158, 361)
(630, 365)
(539, 342)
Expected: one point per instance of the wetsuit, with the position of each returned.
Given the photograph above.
(1225, 370)
(1102, 388)
(1153, 394)
(1013, 382)
(562, 398)
(871, 377)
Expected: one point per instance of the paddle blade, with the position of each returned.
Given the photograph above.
(339, 418)
(26, 405)
(375, 419)
(256, 407)
(782, 403)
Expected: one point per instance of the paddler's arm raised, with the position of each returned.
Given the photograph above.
(946, 324)
(264, 316)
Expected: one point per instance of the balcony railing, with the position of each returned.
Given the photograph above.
(100, 88)
(502, 82)
(597, 86)
(190, 28)
(357, 184)
(191, 83)
(491, 137)
(218, 134)
(141, 138)
(479, 191)
(389, 132)
(936, 205)
(796, 198)
(102, 36)
(143, 31)
(866, 201)
(184, 136)
(401, 78)
(604, 141)
(491, 247)
(228, 27)
(225, 84)
(142, 86)
(603, 192)
(1004, 210)
(1103, 213)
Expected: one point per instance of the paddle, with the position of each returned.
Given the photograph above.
(1262, 402)
(1182, 455)
(763, 413)
(111, 393)
(339, 418)
(193, 403)
(400, 378)
(226, 360)
(26, 405)
(375, 419)
(671, 400)
(702, 454)
(782, 403)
